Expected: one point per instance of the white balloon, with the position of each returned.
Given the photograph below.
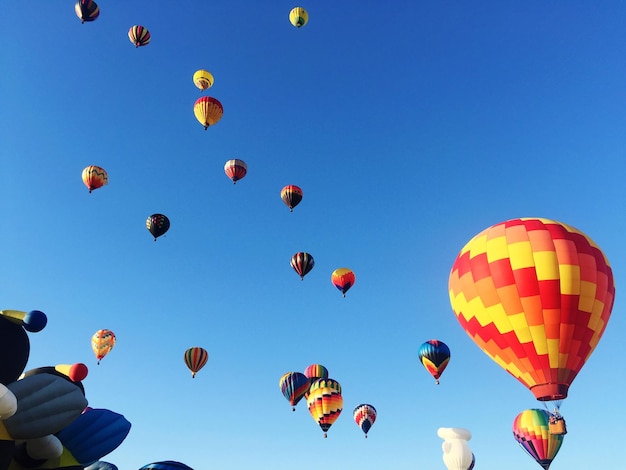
(457, 454)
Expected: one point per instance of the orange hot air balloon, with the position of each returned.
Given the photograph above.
(208, 111)
(95, 177)
(102, 342)
(343, 279)
(535, 295)
(291, 196)
(195, 359)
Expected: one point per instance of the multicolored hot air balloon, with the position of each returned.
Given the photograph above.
(203, 79)
(302, 263)
(102, 342)
(364, 416)
(291, 196)
(294, 386)
(535, 295)
(298, 17)
(325, 402)
(314, 372)
(235, 169)
(157, 225)
(343, 279)
(86, 10)
(531, 430)
(208, 111)
(95, 177)
(434, 356)
(195, 359)
(139, 35)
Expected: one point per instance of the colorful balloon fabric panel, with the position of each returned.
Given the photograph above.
(435, 356)
(531, 430)
(535, 295)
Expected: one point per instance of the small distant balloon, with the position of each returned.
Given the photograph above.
(291, 196)
(235, 169)
(139, 35)
(95, 177)
(195, 359)
(87, 10)
(302, 263)
(364, 416)
(208, 111)
(203, 79)
(157, 225)
(102, 343)
(298, 17)
(434, 356)
(343, 279)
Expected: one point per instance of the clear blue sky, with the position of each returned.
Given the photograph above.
(410, 127)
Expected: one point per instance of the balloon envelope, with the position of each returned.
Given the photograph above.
(302, 263)
(102, 343)
(434, 356)
(343, 279)
(86, 10)
(139, 35)
(208, 111)
(364, 416)
(95, 177)
(298, 17)
(235, 169)
(157, 225)
(294, 385)
(203, 79)
(195, 359)
(325, 404)
(291, 196)
(535, 295)
(532, 432)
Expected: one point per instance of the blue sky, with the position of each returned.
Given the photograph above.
(410, 128)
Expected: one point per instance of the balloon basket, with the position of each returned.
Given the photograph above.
(557, 426)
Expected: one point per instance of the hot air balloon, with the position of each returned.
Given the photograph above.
(314, 372)
(457, 454)
(535, 295)
(531, 431)
(139, 35)
(298, 17)
(435, 356)
(302, 263)
(157, 225)
(86, 10)
(166, 465)
(95, 177)
(203, 79)
(102, 342)
(235, 169)
(364, 416)
(195, 359)
(294, 385)
(325, 402)
(291, 196)
(343, 279)
(208, 111)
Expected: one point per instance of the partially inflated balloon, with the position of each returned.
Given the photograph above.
(325, 403)
(364, 416)
(298, 17)
(203, 79)
(291, 196)
(535, 295)
(95, 177)
(235, 169)
(302, 263)
(294, 385)
(86, 10)
(531, 430)
(102, 343)
(434, 356)
(208, 111)
(139, 35)
(157, 225)
(195, 359)
(343, 279)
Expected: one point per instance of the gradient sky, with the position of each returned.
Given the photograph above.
(410, 128)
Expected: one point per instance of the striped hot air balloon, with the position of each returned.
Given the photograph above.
(535, 295)
(364, 416)
(86, 10)
(208, 111)
(139, 35)
(291, 196)
(325, 402)
(195, 359)
(302, 263)
(235, 169)
(531, 430)
(294, 385)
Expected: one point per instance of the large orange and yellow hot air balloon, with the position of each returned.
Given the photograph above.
(343, 279)
(195, 359)
(102, 342)
(208, 111)
(95, 177)
(325, 402)
(139, 35)
(535, 295)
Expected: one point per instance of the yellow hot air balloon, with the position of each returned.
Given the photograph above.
(208, 111)
(298, 17)
(203, 79)
(325, 402)
(102, 342)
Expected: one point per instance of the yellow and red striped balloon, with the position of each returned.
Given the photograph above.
(535, 295)
(139, 35)
(208, 111)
